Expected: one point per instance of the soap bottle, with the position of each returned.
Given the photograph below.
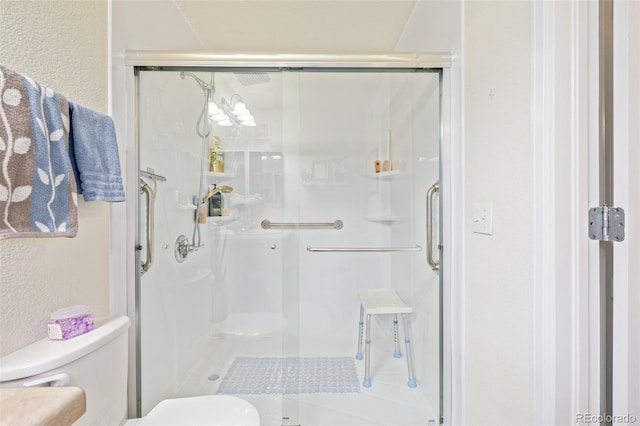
(217, 156)
(215, 203)
(202, 214)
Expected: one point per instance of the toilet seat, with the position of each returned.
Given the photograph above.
(208, 410)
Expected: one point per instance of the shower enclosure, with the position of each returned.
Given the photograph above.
(328, 190)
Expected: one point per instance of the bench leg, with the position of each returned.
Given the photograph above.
(360, 332)
(407, 339)
(367, 355)
(397, 353)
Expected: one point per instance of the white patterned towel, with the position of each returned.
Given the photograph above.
(38, 196)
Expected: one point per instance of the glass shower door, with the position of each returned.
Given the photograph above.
(213, 298)
(361, 150)
(262, 302)
(174, 295)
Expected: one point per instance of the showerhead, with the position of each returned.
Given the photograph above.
(252, 78)
(225, 189)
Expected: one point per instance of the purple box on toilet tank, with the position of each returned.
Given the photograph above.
(70, 322)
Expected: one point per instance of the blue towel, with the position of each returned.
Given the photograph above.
(93, 151)
(37, 192)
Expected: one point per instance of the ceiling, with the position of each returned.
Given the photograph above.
(310, 26)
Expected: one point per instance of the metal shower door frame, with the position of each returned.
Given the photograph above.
(437, 61)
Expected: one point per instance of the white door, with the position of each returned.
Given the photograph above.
(572, 361)
(626, 257)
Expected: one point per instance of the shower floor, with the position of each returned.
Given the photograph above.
(388, 402)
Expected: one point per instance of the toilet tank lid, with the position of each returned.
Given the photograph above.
(46, 354)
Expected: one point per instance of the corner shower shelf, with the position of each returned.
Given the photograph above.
(214, 177)
(386, 219)
(385, 175)
(186, 206)
(323, 184)
(219, 220)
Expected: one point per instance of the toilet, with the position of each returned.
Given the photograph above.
(209, 410)
(97, 363)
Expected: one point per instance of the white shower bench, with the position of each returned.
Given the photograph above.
(384, 301)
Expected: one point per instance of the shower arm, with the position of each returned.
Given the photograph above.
(203, 85)
(203, 128)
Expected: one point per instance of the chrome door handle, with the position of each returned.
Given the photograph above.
(435, 189)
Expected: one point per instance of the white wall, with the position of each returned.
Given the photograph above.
(62, 44)
(497, 126)
(491, 46)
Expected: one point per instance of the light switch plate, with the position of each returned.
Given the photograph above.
(483, 218)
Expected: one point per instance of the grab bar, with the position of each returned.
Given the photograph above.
(363, 249)
(150, 195)
(267, 224)
(151, 198)
(435, 189)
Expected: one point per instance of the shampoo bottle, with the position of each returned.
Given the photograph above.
(217, 156)
(213, 152)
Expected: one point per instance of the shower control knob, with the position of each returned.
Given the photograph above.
(273, 246)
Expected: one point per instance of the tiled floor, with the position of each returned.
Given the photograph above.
(388, 402)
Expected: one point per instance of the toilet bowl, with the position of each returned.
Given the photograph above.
(97, 363)
(209, 410)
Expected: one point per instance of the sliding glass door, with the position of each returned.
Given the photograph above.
(330, 190)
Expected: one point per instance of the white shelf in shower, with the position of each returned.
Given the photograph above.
(384, 219)
(215, 177)
(186, 206)
(323, 184)
(220, 220)
(385, 175)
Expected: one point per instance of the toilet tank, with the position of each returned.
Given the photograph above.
(95, 361)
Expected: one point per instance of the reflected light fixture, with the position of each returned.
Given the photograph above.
(231, 112)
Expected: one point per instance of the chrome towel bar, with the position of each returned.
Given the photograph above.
(364, 249)
(267, 224)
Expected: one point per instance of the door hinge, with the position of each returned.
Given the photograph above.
(606, 223)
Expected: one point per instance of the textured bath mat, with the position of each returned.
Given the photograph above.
(290, 376)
